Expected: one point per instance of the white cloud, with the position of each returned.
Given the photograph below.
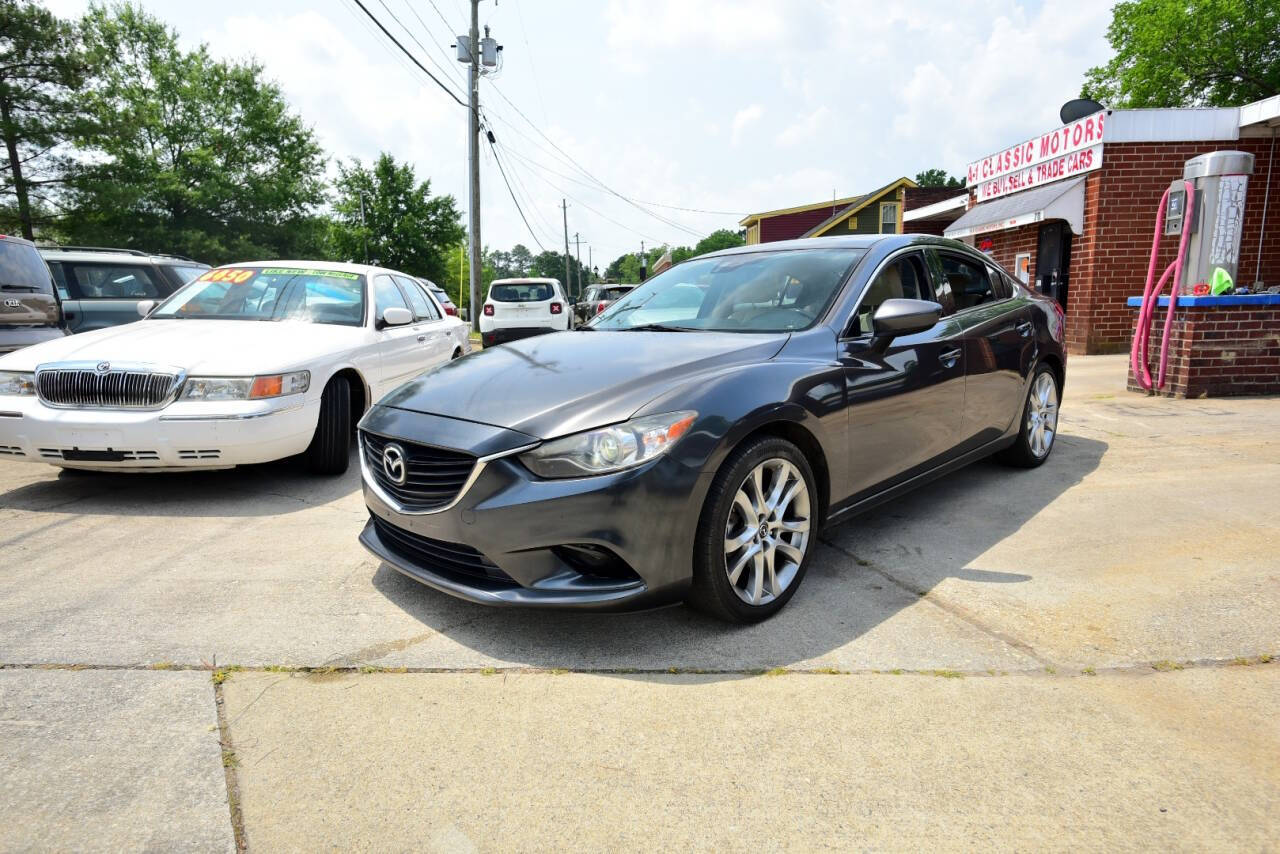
(804, 128)
(746, 116)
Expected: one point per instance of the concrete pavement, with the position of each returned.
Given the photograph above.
(1149, 540)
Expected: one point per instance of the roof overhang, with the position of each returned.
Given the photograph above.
(1261, 118)
(1061, 200)
(937, 209)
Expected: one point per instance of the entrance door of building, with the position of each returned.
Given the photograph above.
(1053, 260)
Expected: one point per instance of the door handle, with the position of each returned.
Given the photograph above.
(949, 358)
(1024, 328)
(422, 338)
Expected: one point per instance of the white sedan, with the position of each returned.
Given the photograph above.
(248, 363)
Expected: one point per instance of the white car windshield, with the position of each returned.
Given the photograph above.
(271, 294)
(746, 292)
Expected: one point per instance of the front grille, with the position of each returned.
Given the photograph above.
(448, 559)
(433, 476)
(133, 387)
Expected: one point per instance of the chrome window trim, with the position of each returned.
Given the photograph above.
(371, 483)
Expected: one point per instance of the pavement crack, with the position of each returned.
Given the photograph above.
(229, 763)
(957, 611)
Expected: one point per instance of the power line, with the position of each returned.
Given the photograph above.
(406, 52)
(537, 86)
(584, 171)
(514, 201)
(447, 25)
(450, 74)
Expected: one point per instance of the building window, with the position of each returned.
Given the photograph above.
(1022, 266)
(888, 217)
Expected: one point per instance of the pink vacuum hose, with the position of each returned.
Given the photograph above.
(1138, 354)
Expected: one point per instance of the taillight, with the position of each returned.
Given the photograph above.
(556, 308)
(600, 307)
(488, 310)
(448, 309)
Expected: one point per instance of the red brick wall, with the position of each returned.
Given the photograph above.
(1109, 262)
(1217, 351)
(1007, 244)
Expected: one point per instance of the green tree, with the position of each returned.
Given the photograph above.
(938, 178)
(1189, 53)
(404, 226)
(41, 67)
(717, 240)
(187, 153)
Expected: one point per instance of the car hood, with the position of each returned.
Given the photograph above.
(553, 385)
(219, 347)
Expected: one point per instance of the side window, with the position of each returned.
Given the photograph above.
(59, 280)
(186, 275)
(969, 282)
(433, 302)
(110, 281)
(386, 295)
(902, 278)
(419, 303)
(1003, 289)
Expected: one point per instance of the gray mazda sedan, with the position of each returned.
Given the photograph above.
(691, 442)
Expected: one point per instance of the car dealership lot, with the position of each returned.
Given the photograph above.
(1035, 658)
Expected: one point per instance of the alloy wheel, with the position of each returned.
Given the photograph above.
(1042, 415)
(767, 533)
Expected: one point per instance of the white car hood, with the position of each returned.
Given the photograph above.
(216, 347)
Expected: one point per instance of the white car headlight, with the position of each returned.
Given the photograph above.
(246, 388)
(609, 449)
(17, 383)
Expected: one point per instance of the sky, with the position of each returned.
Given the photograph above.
(725, 106)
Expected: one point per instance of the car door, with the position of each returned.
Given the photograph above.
(998, 337)
(106, 293)
(905, 399)
(400, 352)
(433, 336)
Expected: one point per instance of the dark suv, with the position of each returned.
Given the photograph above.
(102, 287)
(29, 310)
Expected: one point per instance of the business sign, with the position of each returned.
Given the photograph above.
(1072, 149)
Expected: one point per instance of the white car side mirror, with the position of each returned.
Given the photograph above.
(396, 316)
(145, 306)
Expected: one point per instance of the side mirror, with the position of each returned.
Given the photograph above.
(396, 316)
(145, 307)
(897, 317)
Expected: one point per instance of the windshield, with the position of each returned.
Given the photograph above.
(526, 292)
(270, 293)
(22, 269)
(755, 292)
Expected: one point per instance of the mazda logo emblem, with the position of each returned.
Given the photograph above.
(103, 367)
(393, 463)
(13, 303)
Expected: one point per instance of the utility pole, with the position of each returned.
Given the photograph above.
(644, 262)
(473, 156)
(590, 266)
(577, 249)
(364, 232)
(564, 208)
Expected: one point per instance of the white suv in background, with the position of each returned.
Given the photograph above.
(519, 308)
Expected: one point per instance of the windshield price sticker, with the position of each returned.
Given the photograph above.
(229, 275)
(297, 271)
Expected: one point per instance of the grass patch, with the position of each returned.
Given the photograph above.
(229, 759)
(829, 671)
(1166, 666)
(1266, 658)
(488, 671)
(946, 674)
(1089, 671)
(279, 668)
(1052, 671)
(162, 665)
(897, 671)
(559, 671)
(776, 671)
(222, 673)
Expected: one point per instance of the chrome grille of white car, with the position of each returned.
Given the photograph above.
(103, 385)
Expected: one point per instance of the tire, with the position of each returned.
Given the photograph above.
(730, 511)
(457, 354)
(1038, 431)
(330, 448)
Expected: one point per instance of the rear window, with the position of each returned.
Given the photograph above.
(615, 293)
(530, 292)
(23, 270)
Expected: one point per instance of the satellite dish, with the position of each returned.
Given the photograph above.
(1078, 109)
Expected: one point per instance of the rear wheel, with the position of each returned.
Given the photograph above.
(330, 448)
(1039, 429)
(756, 532)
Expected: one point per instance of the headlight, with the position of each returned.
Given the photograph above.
(609, 448)
(246, 388)
(17, 383)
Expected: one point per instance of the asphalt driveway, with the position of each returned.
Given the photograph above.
(1078, 655)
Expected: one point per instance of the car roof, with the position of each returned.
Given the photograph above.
(16, 239)
(850, 241)
(525, 281)
(94, 253)
(336, 266)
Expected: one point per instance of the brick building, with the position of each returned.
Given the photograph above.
(1073, 212)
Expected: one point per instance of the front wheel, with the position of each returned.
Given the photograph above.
(756, 532)
(330, 448)
(1039, 429)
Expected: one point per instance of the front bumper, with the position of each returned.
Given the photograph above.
(182, 435)
(521, 525)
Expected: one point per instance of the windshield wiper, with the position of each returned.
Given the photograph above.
(656, 327)
(5, 286)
